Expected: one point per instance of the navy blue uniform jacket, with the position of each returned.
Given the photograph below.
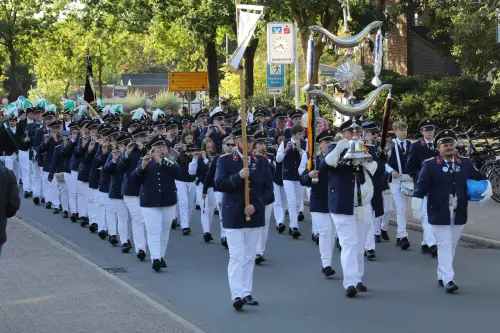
(318, 202)
(157, 184)
(131, 185)
(419, 152)
(228, 181)
(437, 184)
(115, 184)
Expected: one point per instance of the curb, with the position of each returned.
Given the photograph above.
(478, 240)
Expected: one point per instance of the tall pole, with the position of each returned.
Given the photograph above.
(296, 50)
(243, 119)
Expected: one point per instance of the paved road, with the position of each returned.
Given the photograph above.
(294, 295)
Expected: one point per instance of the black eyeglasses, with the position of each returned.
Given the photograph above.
(230, 144)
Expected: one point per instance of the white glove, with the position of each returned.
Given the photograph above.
(416, 207)
(487, 194)
(332, 159)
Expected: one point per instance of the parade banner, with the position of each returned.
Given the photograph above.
(246, 27)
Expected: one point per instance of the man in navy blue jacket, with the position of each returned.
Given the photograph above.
(443, 179)
(242, 234)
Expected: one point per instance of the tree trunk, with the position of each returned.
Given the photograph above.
(249, 66)
(15, 86)
(212, 68)
(66, 90)
(99, 76)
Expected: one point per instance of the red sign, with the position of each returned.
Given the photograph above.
(5, 101)
(286, 30)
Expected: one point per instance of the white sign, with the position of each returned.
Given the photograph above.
(274, 91)
(280, 43)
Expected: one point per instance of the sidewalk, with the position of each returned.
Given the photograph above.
(482, 228)
(46, 287)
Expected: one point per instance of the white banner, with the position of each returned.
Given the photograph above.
(246, 27)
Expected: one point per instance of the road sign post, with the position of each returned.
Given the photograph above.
(188, 81)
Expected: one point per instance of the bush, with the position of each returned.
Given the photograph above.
(134, 99)
(167, 100)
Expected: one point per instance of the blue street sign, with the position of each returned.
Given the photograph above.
(275, 77)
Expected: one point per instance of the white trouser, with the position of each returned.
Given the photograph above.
(382, 222)
(218, 203)
(81, 196)
(279, 203)
(50, 188)
(25, 165)
(138, 232)
(12, 163)
(158, 221)
(56, 193)
(428, 237)
(400, 201)
(121, 212)
(314, 228)
(447, 237)
(352, 234)
(92, 205)
(186, 194)
(242, 250)
(370, 235)
(301, 200)
(70, 179)
(206, 206)
(36, 180)
(106, 217)
(327, 233)
(62, 188)
(264, 231)
(293, 191)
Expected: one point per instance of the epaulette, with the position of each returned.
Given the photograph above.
(430, 158)
(224, 155)
(462, 157)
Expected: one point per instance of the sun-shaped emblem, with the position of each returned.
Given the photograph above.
(350, 76)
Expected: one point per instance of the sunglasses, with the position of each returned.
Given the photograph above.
(230, 144)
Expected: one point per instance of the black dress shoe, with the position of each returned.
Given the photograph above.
(102, 234)
(126, 248)
(313, 238)
(48, 205)
(286, 212)
(377, 239)
(404, 243)
(93, 227)
(223, 242)
(113, 240)
(361, 287)
(157, 265)
(249, 300)
(198, 207)
(207, 237)
(295, 233)
(163, 264)
(43, 200)
(316, 239)
(301, 216)
(56, 211)
(281, 228)
(440, 283)
(31, 194)
(65, 214)
(384, 235)
(328, 271)
(350, 291)
(186, 231)
(216, 212)
(73, 218)
(141, 255)
(259, 259)
(238, 303)
(451, 287)
(424, 249)
(434, 251)
(370, 255)
(26, 194)
(173, 226)
(84, 223)
(337, 244)
(36, 200)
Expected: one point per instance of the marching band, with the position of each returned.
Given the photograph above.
(133, 183)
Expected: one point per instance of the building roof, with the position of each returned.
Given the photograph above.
(145, 79)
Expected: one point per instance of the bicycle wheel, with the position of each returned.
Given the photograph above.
(494, 178)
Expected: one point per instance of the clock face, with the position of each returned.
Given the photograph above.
(280, 45)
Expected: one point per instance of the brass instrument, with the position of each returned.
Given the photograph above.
(93, 113)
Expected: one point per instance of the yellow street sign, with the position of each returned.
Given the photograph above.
(188, 81)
